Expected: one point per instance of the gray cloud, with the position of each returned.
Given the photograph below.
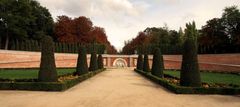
(123, 19)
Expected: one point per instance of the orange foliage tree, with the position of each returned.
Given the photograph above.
(81, 30)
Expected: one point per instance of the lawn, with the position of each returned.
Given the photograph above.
(28, 73)
(210, 77)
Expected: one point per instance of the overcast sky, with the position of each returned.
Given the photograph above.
(123, 19)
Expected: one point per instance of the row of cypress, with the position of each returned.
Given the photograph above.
(190, 74)
(95, 62)
(35, 45)
(48, 72)
(157, 65)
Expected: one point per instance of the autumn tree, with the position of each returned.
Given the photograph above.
(81, 30)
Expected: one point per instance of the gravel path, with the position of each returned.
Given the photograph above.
(114, 88)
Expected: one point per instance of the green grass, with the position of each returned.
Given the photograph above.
(28, 73)
(210, 77)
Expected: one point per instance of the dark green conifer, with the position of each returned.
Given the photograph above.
(47, 72)
(157, 65)
(190, 75)
(146, 63)
(140, 62)
(93, 61)
(100, 61)
(82, 67)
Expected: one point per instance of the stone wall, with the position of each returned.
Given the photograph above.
(216, 62)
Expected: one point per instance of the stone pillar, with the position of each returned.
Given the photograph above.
(108, 62)
(130, 61)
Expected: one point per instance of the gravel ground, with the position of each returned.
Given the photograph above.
(114, 88)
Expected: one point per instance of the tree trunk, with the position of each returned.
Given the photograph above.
(0, 42)
(7, 42)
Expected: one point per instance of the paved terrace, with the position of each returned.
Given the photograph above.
(114, 88)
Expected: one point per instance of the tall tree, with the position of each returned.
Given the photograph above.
(81, 30)
(140, 62)
(190, 74)
(100, 61)
(20, 19)
(93, 61)
(47, 72)
(157, 65)
(82, 67)
(146, 63)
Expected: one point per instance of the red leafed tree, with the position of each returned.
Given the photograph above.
(81, 30)
(99, 35)
(131, 46)
(64, 29)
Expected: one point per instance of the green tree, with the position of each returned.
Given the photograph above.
(140, 62)
(82, 67)
(93, 62)
(146, 63)
(231, 22)
(190, 75)
(100, 61)
(158, 65)
(47, 72)
(21, 19)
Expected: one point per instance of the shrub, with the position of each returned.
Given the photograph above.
(47, 72)
(145, 63)
(140, 62)
(100, 61)
(190, 75)
(93, 62)
(157, 66)
(82, 67)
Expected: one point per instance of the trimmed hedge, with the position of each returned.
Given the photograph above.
(146, 67)
(82, 67)
(47, 71)
(189, 90)
(46, 86)
(190, 74)
(100, 61)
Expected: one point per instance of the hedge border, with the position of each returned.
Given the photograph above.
(47, 86)
(189, 90)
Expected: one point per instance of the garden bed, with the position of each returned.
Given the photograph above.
(65, 82)
(171, 83)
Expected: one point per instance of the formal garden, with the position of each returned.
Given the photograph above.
(189, 80)
(48, 77)
(25, 25)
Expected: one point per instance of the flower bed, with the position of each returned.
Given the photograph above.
(172, 84)
(64, 82)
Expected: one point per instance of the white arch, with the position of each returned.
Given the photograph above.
(115, 64)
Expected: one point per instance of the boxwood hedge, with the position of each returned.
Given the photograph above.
(34, 85)
(189, 90)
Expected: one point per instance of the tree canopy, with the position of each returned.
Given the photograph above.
(21, 19)
(219, 35)
(81, 30)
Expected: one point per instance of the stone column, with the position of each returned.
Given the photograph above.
(130, 61)
(108, 62)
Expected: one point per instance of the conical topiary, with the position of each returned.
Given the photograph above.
(93, 62)
(190, 75)
(100, 61)
(140, 62)
(146, 63)
(82, 67)
(47, 72)
(157, 65)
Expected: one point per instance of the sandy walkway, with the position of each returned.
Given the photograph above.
(114, 88)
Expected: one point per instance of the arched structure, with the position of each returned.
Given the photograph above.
(120, 62)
